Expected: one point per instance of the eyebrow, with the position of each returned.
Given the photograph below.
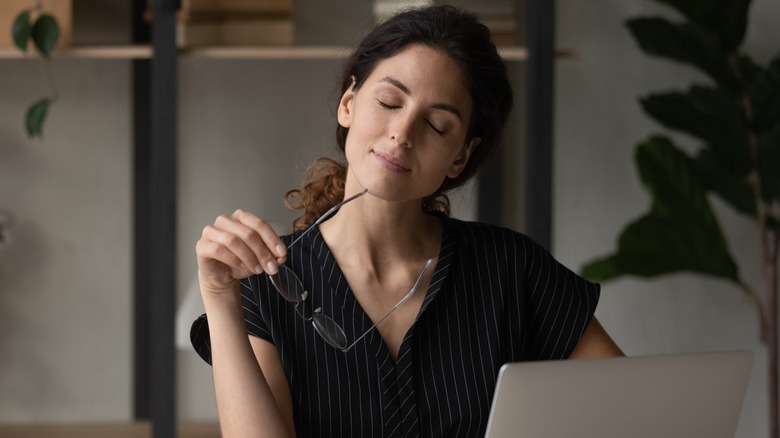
(400, 85)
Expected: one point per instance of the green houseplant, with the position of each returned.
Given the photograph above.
(34, 24)
(735, 118)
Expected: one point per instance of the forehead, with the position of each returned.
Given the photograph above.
(426, 72)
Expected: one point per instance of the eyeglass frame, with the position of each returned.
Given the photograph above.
(320, 321)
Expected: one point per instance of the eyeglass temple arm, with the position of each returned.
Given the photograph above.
(403, 300)
(326, 215)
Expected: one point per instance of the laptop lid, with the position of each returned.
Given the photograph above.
(670, 396)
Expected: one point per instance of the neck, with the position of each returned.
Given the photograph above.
(370, 232)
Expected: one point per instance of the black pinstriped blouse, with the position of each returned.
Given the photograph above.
(495, 297)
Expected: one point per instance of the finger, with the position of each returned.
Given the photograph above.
(265, 231)
(241, 241)
(208, 250)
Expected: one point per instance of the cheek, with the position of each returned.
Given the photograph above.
(439, 160)
(372, 119)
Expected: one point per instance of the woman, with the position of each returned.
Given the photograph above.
(424, 99)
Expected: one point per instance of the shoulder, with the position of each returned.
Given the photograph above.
(480, 236)
(490, 246)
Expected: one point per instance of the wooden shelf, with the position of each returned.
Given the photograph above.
(303, 52)
(266, 52)
(513, 53)
(509, 53)
(234, 52)
(86, 52)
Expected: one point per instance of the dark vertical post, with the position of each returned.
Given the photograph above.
(154, 124)
(141, 72)
(162, 220)
(539, 119)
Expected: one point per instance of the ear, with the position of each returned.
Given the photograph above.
(463, 157)
(345, 106)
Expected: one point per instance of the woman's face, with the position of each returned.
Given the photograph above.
(408, 124)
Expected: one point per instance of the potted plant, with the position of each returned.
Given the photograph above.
(36, 25)
(736, 119)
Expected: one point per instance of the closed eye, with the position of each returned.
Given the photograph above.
(384, 105)
(387, 106)
(439, 132)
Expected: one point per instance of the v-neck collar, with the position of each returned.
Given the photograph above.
(343, 296)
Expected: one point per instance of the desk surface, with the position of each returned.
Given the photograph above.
(140, 429)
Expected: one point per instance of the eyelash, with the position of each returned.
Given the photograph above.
(386, 106)
(439, 133)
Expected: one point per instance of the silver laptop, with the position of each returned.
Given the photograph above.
(666, 396)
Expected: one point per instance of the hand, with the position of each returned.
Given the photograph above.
(235, 247)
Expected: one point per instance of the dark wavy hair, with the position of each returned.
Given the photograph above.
(466, 41)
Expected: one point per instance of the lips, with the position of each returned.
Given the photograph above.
(391, 163)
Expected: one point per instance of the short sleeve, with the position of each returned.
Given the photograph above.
(560, 305)
(255, 325)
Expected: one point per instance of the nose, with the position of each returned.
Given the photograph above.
(401, 129)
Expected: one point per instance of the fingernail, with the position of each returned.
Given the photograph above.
(281, 250)
(271, 268)
(258, 269)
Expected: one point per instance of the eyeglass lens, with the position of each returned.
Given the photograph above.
(290, 287)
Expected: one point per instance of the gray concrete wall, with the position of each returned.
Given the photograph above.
(65, 280)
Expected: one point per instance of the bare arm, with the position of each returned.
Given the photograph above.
(268, 358)
(246, 380)
(245, 402)
(595, 343)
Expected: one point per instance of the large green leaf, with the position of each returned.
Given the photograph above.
(35, 117)
(732, 23)
(670, 177)
(21, 30)
(765, 96)
(45, 33)
(687, 43)
(769, 164)
(721, 180)
(680, 233)
(603, 270)
(709, 114)
(702, 12)
(652, 246)
(726, 18)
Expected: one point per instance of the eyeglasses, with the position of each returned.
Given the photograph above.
(291, 289)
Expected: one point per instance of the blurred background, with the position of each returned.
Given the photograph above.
(246, 130)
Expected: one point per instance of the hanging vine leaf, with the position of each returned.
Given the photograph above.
(45, 33)
(680, 233)
(21, 30)
(35, 117)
